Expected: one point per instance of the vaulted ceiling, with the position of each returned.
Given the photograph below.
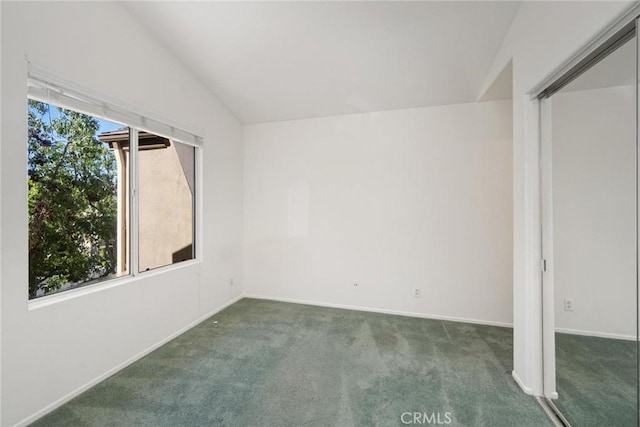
(270, 61)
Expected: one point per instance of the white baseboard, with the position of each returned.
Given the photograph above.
(382, 310)
(524, 388)
(596, 334)
(49, 408)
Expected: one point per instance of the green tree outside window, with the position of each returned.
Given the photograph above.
(72, 200)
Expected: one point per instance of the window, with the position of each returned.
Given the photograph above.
(74, 182)
(166, 182)
(97, 212)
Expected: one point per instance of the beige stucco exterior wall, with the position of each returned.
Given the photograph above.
(165, 207)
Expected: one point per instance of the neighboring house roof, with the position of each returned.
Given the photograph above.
(146, 140)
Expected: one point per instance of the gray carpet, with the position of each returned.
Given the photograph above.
(265, 363)
(596, 381)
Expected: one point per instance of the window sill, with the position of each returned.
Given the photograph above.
(99, 287)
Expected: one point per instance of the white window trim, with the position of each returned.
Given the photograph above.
(47, 87)
(81, 291)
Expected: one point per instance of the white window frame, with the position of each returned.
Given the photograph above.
(47, 87)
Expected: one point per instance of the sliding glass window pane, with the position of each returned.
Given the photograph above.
(166, 182)
(74, 182)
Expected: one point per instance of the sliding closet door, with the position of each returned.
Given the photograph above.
(590, 242)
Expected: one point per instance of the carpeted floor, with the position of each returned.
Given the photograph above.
(265, 363)
(596, 381)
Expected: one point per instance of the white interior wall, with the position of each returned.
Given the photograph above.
(394, 201)
(542, 37)
(144, 74)
(594, 221)
(51, 351)
(1, 222)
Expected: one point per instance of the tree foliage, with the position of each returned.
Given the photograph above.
(72, 200)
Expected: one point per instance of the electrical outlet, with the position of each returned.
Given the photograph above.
(416, 292)
(231, 282)
(568, 304)
(355, 284)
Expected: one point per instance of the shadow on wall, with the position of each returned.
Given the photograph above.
(183, 254)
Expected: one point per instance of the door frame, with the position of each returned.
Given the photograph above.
(546, 235)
